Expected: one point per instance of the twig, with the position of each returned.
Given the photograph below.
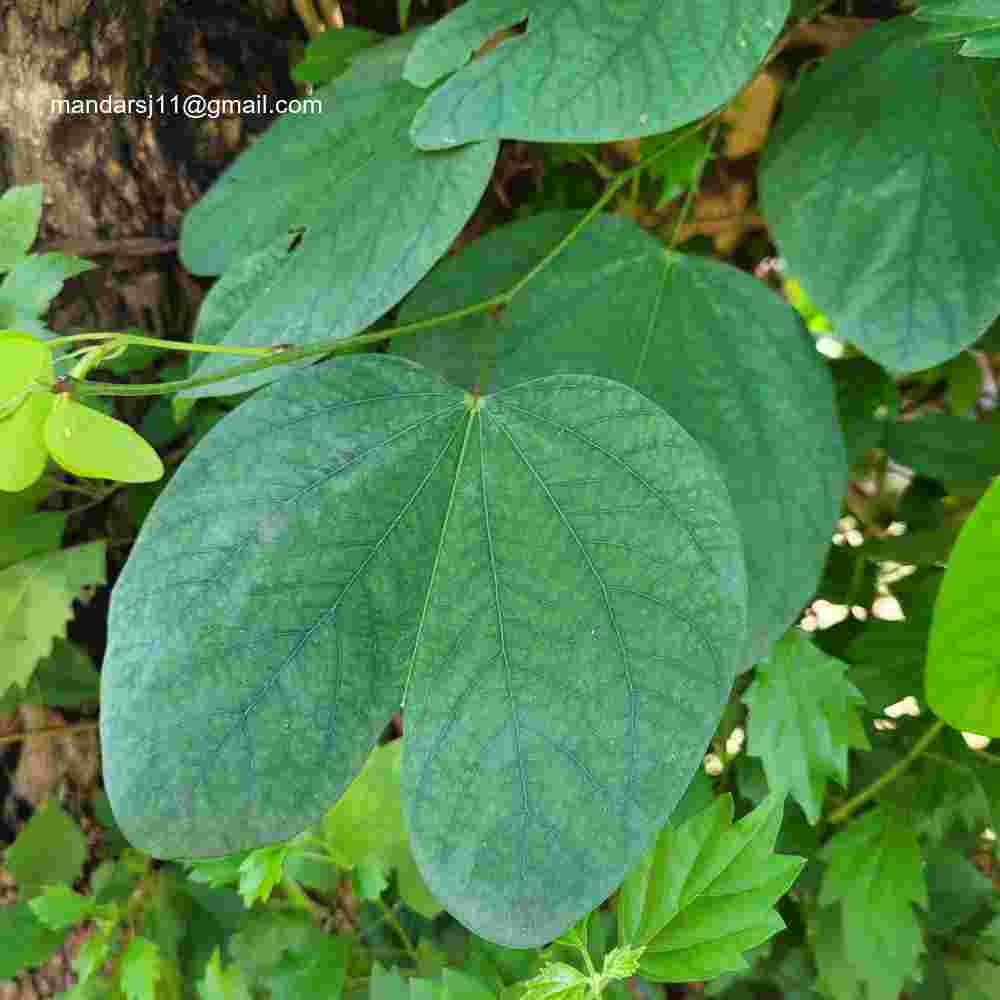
(75, 727)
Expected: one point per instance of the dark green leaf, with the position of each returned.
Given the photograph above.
(67, 678)
(956, 889)
(637, 69)
(24, 942)
(221, 983)
(866, 398)
(363, 532)
(963, 667)
(948, 448)
(50, 848)
(371, 213)
(882, 190)
(876, 872)
(803, 719)
(616, 304)
(30, 535)
(317, 972)
(838, 977)
(20, 214)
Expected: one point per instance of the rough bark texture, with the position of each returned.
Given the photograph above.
(113, 178)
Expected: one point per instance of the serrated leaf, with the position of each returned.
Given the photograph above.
(50, 848)
(881, 188)
(24, 941)
(638, 68)
(35, 603)
(59, 907)
(93, 952)
(387, 520)
(374, 216)
(20, 215)
(557, 981)
(220, 983)
(33, 282)
(260, 871)
(803, 720)
(89, 443)
(140, 969)
(758, 401)
(318, 972)
(963, 667)
(705, 893)
(876, 872)
(956, 889)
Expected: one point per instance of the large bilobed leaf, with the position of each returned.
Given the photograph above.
(725, 356)
(803, 719)
(876, 872)
(975, 22)
(963, 663)
(705, 893)
(373, 212)
(586, 70)
(552, 574)
(881, 185)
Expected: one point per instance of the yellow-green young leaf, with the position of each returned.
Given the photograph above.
(963, 663)
(88, 443)
(260, 872)
(36, 598)
(876, 871)
(222, 984)
(23, 361)
(140, 969)
(557, 981)
(706, 891)
(50, 848)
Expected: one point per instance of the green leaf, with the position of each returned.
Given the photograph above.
(94, 951)
(35, 603)
(880, 185)
(222, 984)
(24, 361)
(31, 535)
(50, 848)
(381, 524)
(974, 22)
(20, 215)
(838, 977)
(963, 666)
(318, 972)
(387, 984)
(32, 284)
(759, 401)
(140, 969)
(89, 443)
(260, 872)
(947, 448)
(59, 907)
(887, 659)
(956, 889)
(705, 893)
(866, 396)
(803, 719)
(557, 981)
(638, 68)
(329, 54)
(373, 215)
(876, 872)
(24, 942)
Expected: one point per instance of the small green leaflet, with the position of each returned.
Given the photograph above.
(876, 873)
(20, 214)
(896, 238)
(368, 213)
(638, 69)
(50, 848)
(705, 893)
(140, 969)
(974, 22)
(330, 53)
(803, 719)
(963, 664)
(36, 598)
(362, 534)
(60, 908)
(24, 941)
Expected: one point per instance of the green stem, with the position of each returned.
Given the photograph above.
(853, 804)
(393, 921)
(283, 356)
(695, 187)
(169, 345)
(296, 894)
